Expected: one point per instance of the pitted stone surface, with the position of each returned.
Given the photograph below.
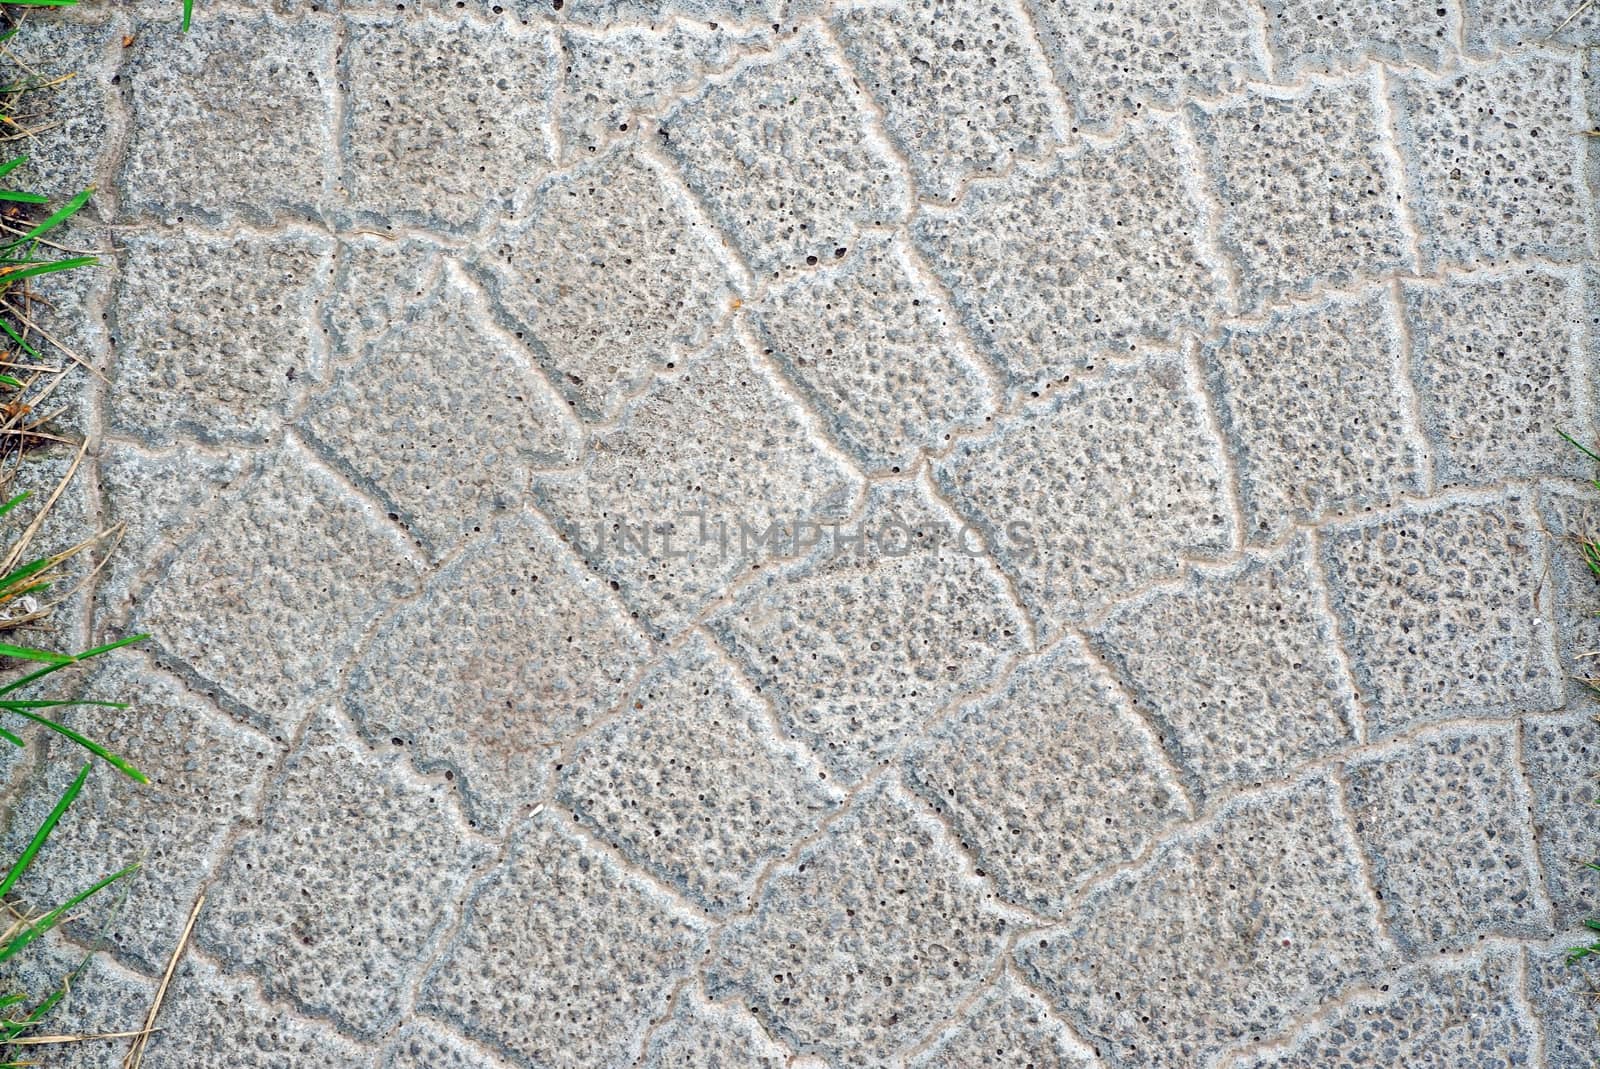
(1562, 773)
(708, 1036)
(1009, 1027)
(1562, 997)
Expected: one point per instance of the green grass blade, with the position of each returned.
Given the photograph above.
(13, 163)
(55, 219)
(1585, 450)
(23, 198)
(28, 653)
(53, 918)
(188, 14)
(13, 738)
(16, 709)
(11, 332)
(17, 684)
(14, 502)
(25, 859)
(46, 267)
(27, 571)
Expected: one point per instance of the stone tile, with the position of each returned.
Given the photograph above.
(610, 279)
(1295, 220)
(596, 955)
(1439, 609)
(375, 282)
(205, 774)
(1090, 494)
(283, 905)
(1451, 1012)
(1230, 931)
(1314, 404)
(1330, 35)
(703, 1035)
(961, 90)
(102, 998)
(213, 335)
(1009, 1027)
(424, 1044)
(1570, 516)
(444, 120)
(1491, 154)
(860, 646)
(544, 653)
(1562, 997)
(266, 600)
(1499, 25)
(1562, 756)
(1499, 362)
(1445, 823)
(690, 784)
(798, 121)
(715, 446)
(872, 936)
(618, 13)
(444, 418)
(1115, 60)
(1049, 781)
(1058, 263)
(274, 82)
(874, 351)
(1261, 693)
(70, 124)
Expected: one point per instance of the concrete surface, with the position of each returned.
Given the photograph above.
(702, 534)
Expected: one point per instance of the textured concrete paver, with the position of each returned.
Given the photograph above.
(707, 534)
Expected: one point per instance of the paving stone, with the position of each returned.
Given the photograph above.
(871, 936)
(205, 773)
(1114, 60)
(798, 120)
(607, 13)
(274, 82)
(1329, 35)
(1087, 495)
(1562, 997)
(102, 998)
(961, 90)
(609, 278)
(904, 383)
(282, 906)
(1009, 1027)
(265, 601)
(1439, 609)
(1451, 1013)
(1445, 822)
(1314, 404)
(1293, 220)
(1228, 932)
(443, 121)
(713, 448)
(1499, 25)
(1059, 262)
(1570, 517)
(596, 954)
(70, 123)
(547, 653)
(1049, 781)
(444, 418)
(702, 1035)
(1492, 161)
(1560, 755)
(1263, 693)
(426, 1045)
(1498, 362)
(690, 784)
(861, 645)
(375, 282)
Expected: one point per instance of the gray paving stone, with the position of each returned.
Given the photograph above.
(1228, 932)
(690, 783)
(426, 1045)
(1571, 516)
(1562, 997)
(1057, 264)
(1115, 60)
(595, 952)
(283, 913)
(873, 349)
(1499, 362)
(70, 124)
(1293, 220)
(662, 517)
(1493, 162)
(264, 601)
(604, 13)
(274, 81)
(444, 418)
(102, 998)
(1009, 1027)
(1314, 404)
(1088, 495)
(609, 278)
(861, 645)
(797, 119)
(870, 937)
(1457, 1012)
(1439, 609)
(1264, 692)
(1049, 781)
(1561, 759)
(213, 335)
(550, 653)
(1445, 822)
(702, 1035)
(1497, 25)
(1332, 35)
(443, 121)
(962, 90)
(374, 282)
